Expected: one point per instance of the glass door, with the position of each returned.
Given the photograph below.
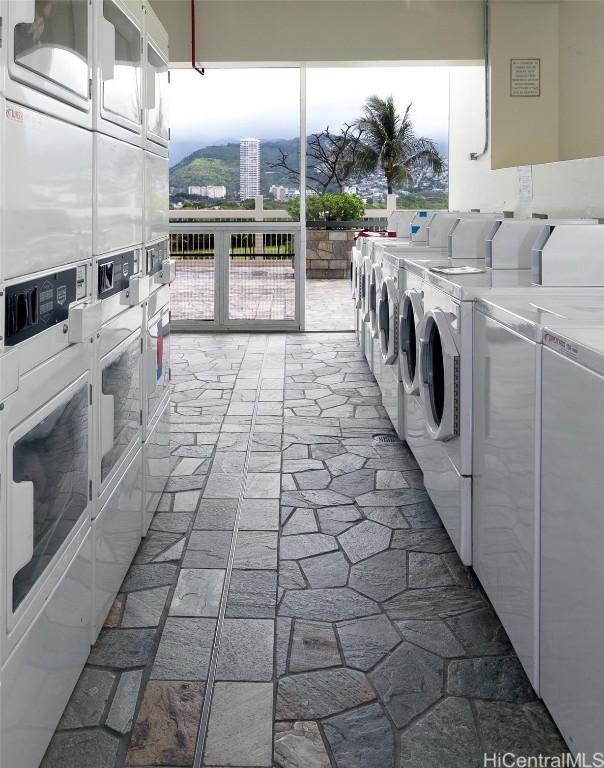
(49, 485)
(121, 66)
(49, 47)
(120, 403)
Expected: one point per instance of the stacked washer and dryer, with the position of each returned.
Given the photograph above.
(82, 99)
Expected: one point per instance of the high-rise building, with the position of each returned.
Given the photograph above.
(249, 168)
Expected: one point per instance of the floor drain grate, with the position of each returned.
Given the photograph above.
(381, 439)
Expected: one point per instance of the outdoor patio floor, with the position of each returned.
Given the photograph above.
(296, 603)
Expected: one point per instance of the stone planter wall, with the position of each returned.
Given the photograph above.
(328, 253)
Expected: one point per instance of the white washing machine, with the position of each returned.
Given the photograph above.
(508, 337)
(46, 205)
(118, 69)
(572, 534)
(155, 84)
(365, 311)
(375, 286)
(46, 58)
(354, 285)
(46, 427)
(388, 343)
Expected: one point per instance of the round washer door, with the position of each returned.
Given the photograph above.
(387, 321)
(411, 315)
(354, 266)
(439, 375)
(375, 283)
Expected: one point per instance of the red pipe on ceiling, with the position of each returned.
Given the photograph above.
(201, 70)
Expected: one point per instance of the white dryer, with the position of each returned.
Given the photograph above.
(118, 69)
(375, 286)
(46, 199)
(388, 330)
(508, 352)
(156, 79)
(367, 345)
(46, 430)
(355, 269)
(46, 57)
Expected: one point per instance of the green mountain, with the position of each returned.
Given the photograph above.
(220, 165)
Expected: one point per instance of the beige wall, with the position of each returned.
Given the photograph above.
(324, 30)
(568, 188)
(581, 78)
(524, 129)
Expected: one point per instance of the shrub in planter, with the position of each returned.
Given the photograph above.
(329, 207)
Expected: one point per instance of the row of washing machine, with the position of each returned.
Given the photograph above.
(84, 420)
(489, 351)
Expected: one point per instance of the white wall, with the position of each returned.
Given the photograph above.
(324, 31)
(568, 188)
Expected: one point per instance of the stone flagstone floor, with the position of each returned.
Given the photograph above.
(296, 603)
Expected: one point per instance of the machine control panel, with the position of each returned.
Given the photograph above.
(34, 305)
(155, 255)
(114, 273)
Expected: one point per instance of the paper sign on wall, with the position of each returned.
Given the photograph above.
(525, 183)
(525, 77)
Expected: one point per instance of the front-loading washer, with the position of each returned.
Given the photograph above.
(375, 286)
(46, 58)
(508, 361)
(46, 429)
(388, 344)
(572, 488)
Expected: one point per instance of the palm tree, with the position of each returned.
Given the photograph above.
(389, 142)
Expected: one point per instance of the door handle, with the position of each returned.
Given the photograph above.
(21, 509)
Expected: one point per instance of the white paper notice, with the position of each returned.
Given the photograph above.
(525, 77)
(525, 183)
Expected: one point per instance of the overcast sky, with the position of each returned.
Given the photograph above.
(228, 104)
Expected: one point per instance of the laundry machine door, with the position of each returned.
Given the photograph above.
(411, 315)
(47, 488)
(120, 403)
(156, 94)
(387, 321)
(120, 65)
(375, 283)
(49, 48)
(439, 375)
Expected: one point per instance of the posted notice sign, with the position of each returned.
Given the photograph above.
(525, 77)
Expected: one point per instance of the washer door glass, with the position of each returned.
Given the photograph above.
(384, 322)
(436, 374)
(53, 457)
(158, 113)
(122, 92)
(439, 376)
(121, 381)
(53, 43)
(410, 317)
